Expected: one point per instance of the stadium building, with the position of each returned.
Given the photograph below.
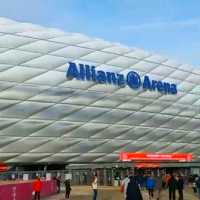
(68, 98)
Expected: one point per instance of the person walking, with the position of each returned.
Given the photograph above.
(124, 185)
(198, 186)
(67, 189)
(58, 182)
(37, 187)
(151, 183)
(133, 191)
(172, 184)
(180, 186)
(159, 185)
(95, 187)
(194, 186)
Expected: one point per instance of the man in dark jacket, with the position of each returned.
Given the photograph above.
(198, 186)
(67, 189)
(133, 190)
(172, 184)
(180, 186)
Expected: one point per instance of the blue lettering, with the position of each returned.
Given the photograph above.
(167, 88)
(154, 84)
(93, 71)
(173, 89)
(133, 80)
(111, 78)
(101, 77)
(72, 71)
(88, 73)
(121, 80)
(82, 72)
(147, 83)
(160, 86)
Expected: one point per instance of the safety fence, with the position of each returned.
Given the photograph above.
(23, 190)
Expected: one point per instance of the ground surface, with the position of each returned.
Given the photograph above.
(111, 193)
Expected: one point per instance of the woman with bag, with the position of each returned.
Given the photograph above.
(95, 187)
(124, 185)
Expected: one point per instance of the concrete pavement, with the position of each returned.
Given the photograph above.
(112, 193)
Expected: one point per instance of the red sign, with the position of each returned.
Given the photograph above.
(147, 165)
(182, 157)
(3, 167)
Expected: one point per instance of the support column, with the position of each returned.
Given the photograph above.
(105, 177)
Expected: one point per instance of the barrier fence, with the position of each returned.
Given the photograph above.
(24, 190)
(106, 177)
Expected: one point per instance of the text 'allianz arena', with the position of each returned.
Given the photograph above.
(50, 113)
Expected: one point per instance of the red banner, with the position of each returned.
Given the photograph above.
(4, 167)
(23, 191)
(147, 165)
(182, 157)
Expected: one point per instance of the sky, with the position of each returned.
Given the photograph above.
(167, 27)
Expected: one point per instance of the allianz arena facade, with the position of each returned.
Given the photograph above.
(68, 98)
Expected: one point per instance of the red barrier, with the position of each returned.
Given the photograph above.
(23, 191)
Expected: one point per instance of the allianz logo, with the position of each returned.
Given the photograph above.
(85, 72)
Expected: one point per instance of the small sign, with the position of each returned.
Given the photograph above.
(68, 176)
(48, 176)
(25, 177)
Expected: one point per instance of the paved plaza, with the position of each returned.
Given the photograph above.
(111, 193)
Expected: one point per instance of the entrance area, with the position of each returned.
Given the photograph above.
(113, 193)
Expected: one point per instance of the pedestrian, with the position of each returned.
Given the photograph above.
(58, 181)
(151, 183)
(172, 184)
(198, 186)
(67, 189)
(159, 186)
(167, 177)
(95, 187)
(37, 187)
(194, 186)
(180, 186)
(133, 191)
(124, 185)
